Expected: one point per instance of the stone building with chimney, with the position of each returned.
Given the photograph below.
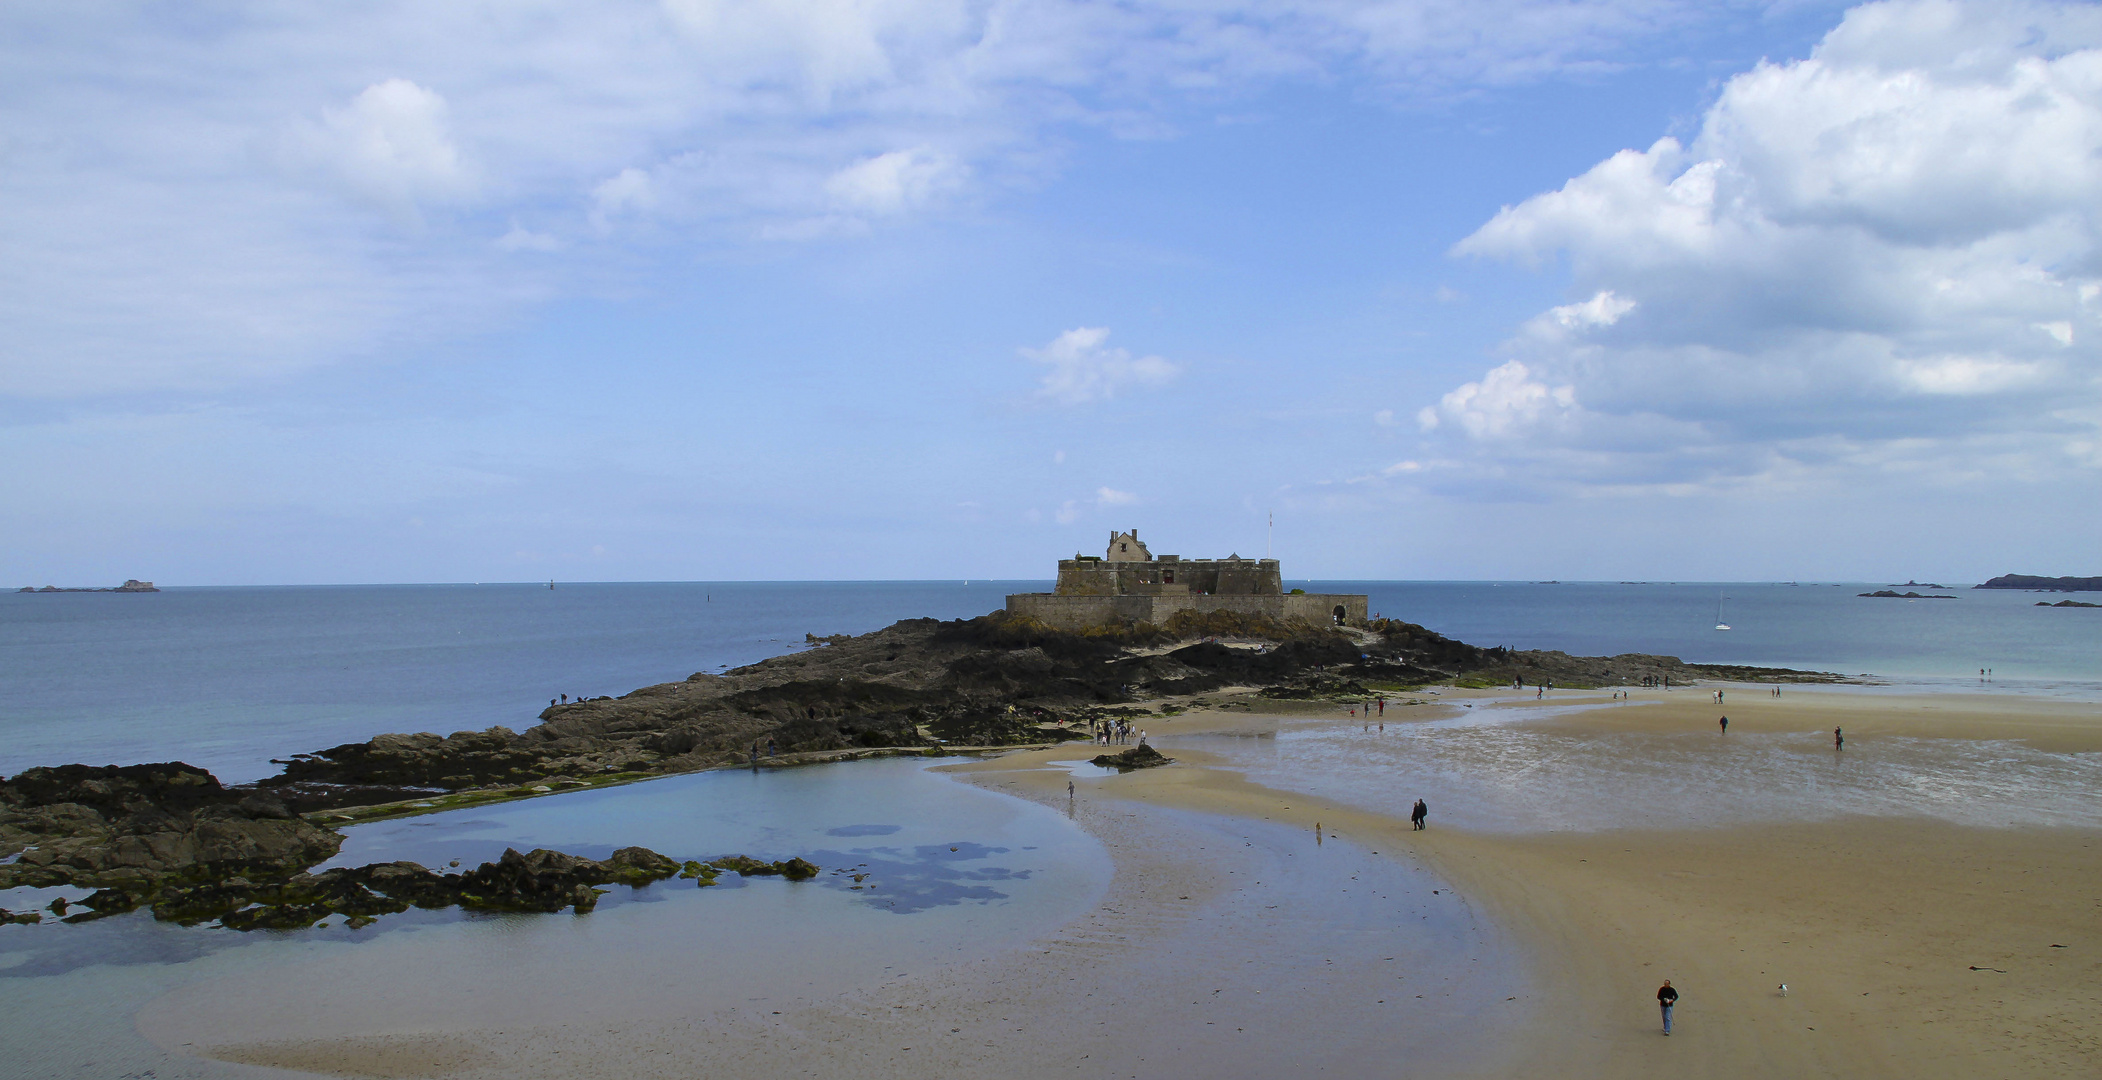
(1130, 583)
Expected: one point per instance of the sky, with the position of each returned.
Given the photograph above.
(868, 289)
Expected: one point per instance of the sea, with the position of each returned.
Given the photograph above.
(229, 678)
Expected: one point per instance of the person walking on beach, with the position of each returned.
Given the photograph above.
(1839, 739)
(1666, 998)
(1726, 725)
(1417, 814)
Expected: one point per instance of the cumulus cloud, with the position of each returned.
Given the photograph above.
(1507, 401)
(1888, 250)
(1083, 369)
(391, 145)
(165, 228)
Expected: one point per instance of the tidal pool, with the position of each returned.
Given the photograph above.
(918, 870)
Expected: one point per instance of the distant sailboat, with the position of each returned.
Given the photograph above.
(1719, 624)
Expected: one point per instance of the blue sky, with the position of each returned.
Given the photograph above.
(864, 289)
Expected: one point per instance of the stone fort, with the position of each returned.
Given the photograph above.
(1131, 583)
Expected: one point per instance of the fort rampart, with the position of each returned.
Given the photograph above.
(1130, 584)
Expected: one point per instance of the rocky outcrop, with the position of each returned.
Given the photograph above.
(540, 880)
(1891, 594)
(997, 680)
(2066, 603)
(169, 837)
(1141, 756)
(134, 826)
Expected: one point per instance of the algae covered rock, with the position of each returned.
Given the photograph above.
(793, 869)
(1138, 757)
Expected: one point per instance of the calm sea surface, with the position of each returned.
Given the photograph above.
(227, 678)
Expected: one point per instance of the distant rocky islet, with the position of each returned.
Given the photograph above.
(131, 585)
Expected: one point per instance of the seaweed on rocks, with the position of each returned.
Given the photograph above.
(792, 869)
(1141, 756)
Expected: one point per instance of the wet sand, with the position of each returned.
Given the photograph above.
(1231, 944)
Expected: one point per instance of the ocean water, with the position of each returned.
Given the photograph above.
(1818, 626)
(227, 678)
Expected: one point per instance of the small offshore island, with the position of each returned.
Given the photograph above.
(131, 585)
(171, 838)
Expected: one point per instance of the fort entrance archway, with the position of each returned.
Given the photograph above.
(1340, 614)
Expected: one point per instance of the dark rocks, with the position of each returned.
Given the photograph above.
(426, 760)
(1138, 757)
(540, 880)
(792, 869)
(129, 828)
(2065, 603)
(1890, 594)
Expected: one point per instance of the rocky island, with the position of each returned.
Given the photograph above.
(2044, 584)
(172, 838)
(132, 585)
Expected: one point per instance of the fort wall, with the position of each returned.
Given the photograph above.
(1128, 583)
(1068, 612)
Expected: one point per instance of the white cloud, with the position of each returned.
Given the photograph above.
(629, 190)
(1507, 401)
(1083, 370)
(391, 146)
(893, 183)
(1889, 246)
(1108, 496)
(1604, 309)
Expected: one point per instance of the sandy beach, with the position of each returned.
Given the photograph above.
(1234, 942)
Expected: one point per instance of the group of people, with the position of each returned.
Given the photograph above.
(1379, 703)
(1114, 732)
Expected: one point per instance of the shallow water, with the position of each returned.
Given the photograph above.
(1487, 769)
(952, 871)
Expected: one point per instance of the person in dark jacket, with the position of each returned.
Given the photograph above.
(1418, 814)
(1666, 998)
